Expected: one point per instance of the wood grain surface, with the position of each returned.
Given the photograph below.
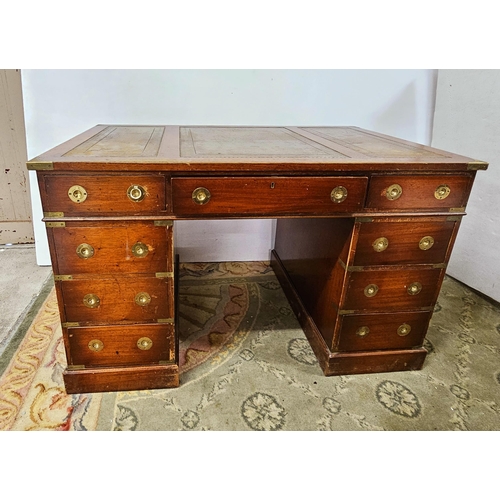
(268, 195)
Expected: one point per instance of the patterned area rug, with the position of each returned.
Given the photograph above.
(246, 365)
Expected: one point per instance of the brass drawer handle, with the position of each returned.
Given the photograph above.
(85, 251)
(140, 249)
(393, 192)
(404, 329)
(91, 300)
(414, 288)
(144, 343)
(442, 192)
(142, 299)
(338, 194)
(77, 194)
(136, 193)
(201, 196)
(426, 242)
(380, 244)
(96, 345)
(371, 290)
(363, 331)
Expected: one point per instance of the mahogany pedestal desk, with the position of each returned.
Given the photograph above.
(366, 224)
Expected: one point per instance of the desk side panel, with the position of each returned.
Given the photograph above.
(309, 250)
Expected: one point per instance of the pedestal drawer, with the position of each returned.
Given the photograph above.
(418, 192)
(392, 290)
(383, 331)
(103, 194)
(408, 242)
(267, 195)
(121, 345)
(118, 299)
(112, 247)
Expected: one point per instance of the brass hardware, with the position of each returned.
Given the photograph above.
(76, 367)
(165, 320)
(393, 192)
(355, 268)
(53, 215)
(404, 329)
(63, 277)
(167, 223)
(453, 218)
(426, 242)
(201, 195)
(442, 192)
(342, 312)
(55, 224)
(477, 165)
(142, 299)
(140, 249)
(338, 194)
(40, 165)
(77, 194)
(91, 301)
(164, 275)
(414, 288)
(363, 331)
(70, 324)
(351, 268)
(371, 290)
(380, 244)
(364, 219)
(136, 193)
(439, 266)
(456, 209)
(144, 343)
(85, 251)
(96, 345)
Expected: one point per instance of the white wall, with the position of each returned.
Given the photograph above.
(467, 121)
(62, 103)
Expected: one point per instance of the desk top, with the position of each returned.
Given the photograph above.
(202, 149)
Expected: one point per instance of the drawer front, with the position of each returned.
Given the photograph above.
(103, 194)
(383, 331)
(389, 290)
(118, 299)
(412, 242)
(128, 247)
(121, 345)
(419, 192)
(268, 195)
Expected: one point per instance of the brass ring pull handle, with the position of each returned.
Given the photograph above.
(442, 192)
(363, 331)
(142, 299)
(338, 194)
(426, 242)
(136, 193)
(371, 290)
(393, 192)
(201, 196)
(414, 288)
(144, 343)
(96, 345)
(404, 329)
(85, 251)
(380, 244)
(91, 300)
(77, 194)
(140, 249)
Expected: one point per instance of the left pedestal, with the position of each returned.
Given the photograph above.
(114, 272)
